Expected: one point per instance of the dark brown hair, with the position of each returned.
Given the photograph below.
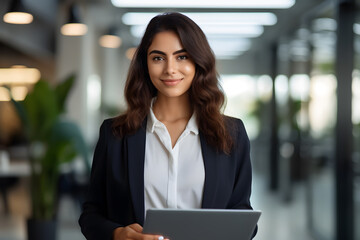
(205, 93)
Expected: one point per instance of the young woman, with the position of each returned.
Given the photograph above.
(172, 148)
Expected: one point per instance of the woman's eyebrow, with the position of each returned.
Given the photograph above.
(162, 53)
(179, 51)
(157, 52)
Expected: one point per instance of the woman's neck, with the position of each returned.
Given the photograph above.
(172, 109)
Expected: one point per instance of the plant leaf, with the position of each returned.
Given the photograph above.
(42, 108)
(65, 131)
(62, 90)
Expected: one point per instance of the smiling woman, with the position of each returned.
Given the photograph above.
(170, 68)
(173, 147)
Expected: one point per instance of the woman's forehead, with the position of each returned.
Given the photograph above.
(166, 41)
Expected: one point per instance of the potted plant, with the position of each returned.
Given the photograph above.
(53, 140)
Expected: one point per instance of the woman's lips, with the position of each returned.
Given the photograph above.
(171, 82)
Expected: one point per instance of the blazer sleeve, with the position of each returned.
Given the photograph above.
(93, 223)
(240, 198)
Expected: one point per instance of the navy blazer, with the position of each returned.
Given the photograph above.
(116, 192)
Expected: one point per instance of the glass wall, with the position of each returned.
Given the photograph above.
(316, 122)
(252, 92)
(307, 105)
(322, 119)
(322, 179)
(356, 126)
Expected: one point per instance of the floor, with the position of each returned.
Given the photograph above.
(279, 221)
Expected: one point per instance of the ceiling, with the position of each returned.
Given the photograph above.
(38, 39)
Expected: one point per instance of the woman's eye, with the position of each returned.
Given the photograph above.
(183, 57)
(157, 58)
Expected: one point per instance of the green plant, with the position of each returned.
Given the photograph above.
(53, 140)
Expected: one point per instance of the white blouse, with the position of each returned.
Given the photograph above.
(174, 177)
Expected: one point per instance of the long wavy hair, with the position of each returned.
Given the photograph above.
(205, 93)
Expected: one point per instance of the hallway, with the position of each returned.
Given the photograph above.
(279, 220)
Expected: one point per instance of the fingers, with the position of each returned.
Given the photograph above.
(140, 236)
(153, 237)
(161, 238)
(134, 232)
(136, 227)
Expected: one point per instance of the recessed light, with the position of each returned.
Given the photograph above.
(203, 4)
(210, 31)
(213, 18)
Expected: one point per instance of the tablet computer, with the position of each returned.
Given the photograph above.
(198, 224)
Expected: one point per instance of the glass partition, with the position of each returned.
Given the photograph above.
(322, 121)
(356, 126)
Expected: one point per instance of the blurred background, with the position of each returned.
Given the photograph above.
(290, 70)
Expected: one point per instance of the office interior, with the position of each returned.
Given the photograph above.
(290, 70)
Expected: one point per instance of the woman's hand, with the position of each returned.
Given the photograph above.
(134, 232)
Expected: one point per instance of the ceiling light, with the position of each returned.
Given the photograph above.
(73, 27)
(17, 14)
(18, 93)
(4, 94)
(110, 39)
(211, 30)
(209, 18)
(19, 75)
(245, 31)
(229, 44)
(18, 18)
(203, 4)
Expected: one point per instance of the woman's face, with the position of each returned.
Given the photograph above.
(170, 68)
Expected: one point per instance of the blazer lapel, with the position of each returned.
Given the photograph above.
(136, 156)
(210, 158)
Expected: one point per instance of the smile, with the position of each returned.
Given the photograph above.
(171, 82)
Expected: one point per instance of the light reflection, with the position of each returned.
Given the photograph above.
(299, 87)
(264, 88)
(282, 89)
(322, 106)
(356, 97)
(242, 98)
(299, 91)
(235, 85)
(94, 92)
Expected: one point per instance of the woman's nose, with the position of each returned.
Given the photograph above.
(170, 67)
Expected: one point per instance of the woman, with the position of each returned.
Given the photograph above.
(172, 148)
